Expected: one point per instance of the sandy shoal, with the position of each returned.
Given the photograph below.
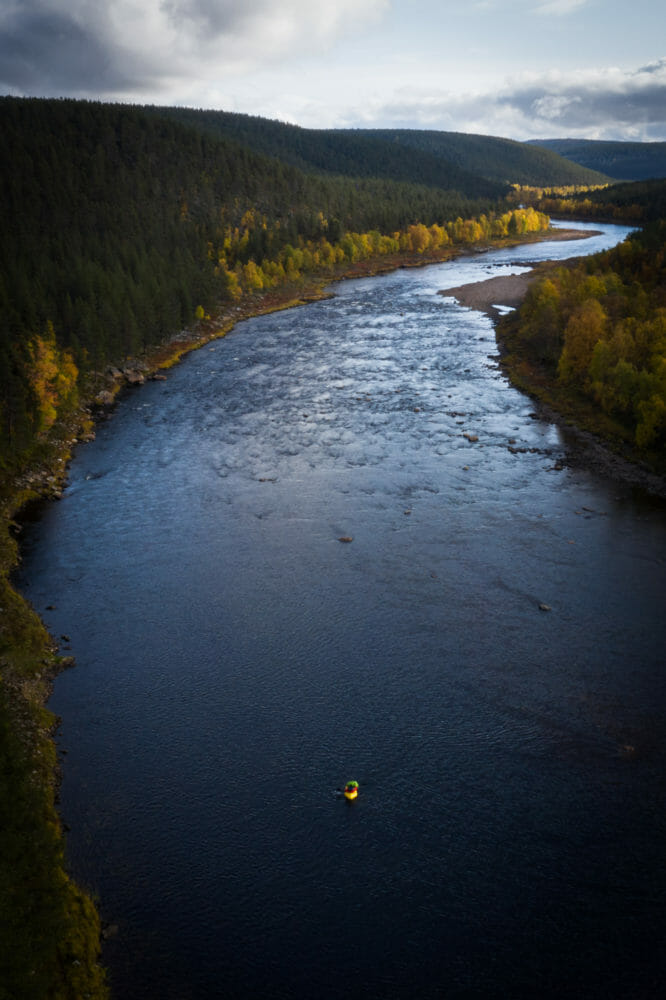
(506, 290)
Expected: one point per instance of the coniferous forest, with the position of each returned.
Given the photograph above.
(623, 161)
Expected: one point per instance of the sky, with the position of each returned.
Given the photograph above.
(521, 69)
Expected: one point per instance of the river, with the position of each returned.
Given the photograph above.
(485, 657)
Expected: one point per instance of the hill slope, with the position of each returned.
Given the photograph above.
(623, 161)
(474, 165)
(501, 160)
(347, 153)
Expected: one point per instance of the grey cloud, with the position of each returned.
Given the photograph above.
(82, 48)
(213, 16)
(50, 50)
(655, 67)
(593, 108)
(602, 105)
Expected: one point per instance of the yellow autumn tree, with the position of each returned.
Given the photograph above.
(585, 327)
(540, 324)
(231, 284)
(419, 237)
(652, 422)
(253, 276)
(52, 375)
(326, 255)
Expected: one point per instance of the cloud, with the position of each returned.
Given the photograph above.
(657, 68)
(277, 58)
(599, 104)
(278, 20)
(71, 47)
(51, 44)
(559, 7)
(556, 7)
(594, 104)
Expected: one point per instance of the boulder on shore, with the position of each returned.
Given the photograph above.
(104, 398)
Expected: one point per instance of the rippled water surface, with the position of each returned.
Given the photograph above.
(236, 663)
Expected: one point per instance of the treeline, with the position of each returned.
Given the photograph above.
(120, 227)
(638, 202)
(240, 274)
(600, 328)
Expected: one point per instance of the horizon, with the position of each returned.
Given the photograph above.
(515, 69)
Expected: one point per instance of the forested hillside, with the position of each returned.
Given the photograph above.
(500, 160)
(475, 165)
(623, 161)
(120, 226)
(348, 153)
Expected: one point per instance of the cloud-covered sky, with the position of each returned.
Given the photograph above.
(516, 68)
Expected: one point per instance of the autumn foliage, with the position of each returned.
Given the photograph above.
(52, 376)
(330, 250)
(601, 327)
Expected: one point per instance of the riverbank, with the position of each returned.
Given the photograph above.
(495, 295)
(593, 441)
(163, 356)
(158, 359)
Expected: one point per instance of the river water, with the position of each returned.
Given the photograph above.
(236, 663)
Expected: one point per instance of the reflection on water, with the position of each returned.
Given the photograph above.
(236, 664)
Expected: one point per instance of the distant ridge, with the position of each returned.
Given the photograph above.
(498, 159)
(345, 153)
(475, 165)
(623, 161)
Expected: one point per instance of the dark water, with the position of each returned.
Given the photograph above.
(236, 663)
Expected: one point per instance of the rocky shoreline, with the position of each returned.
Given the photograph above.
(588, 452)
